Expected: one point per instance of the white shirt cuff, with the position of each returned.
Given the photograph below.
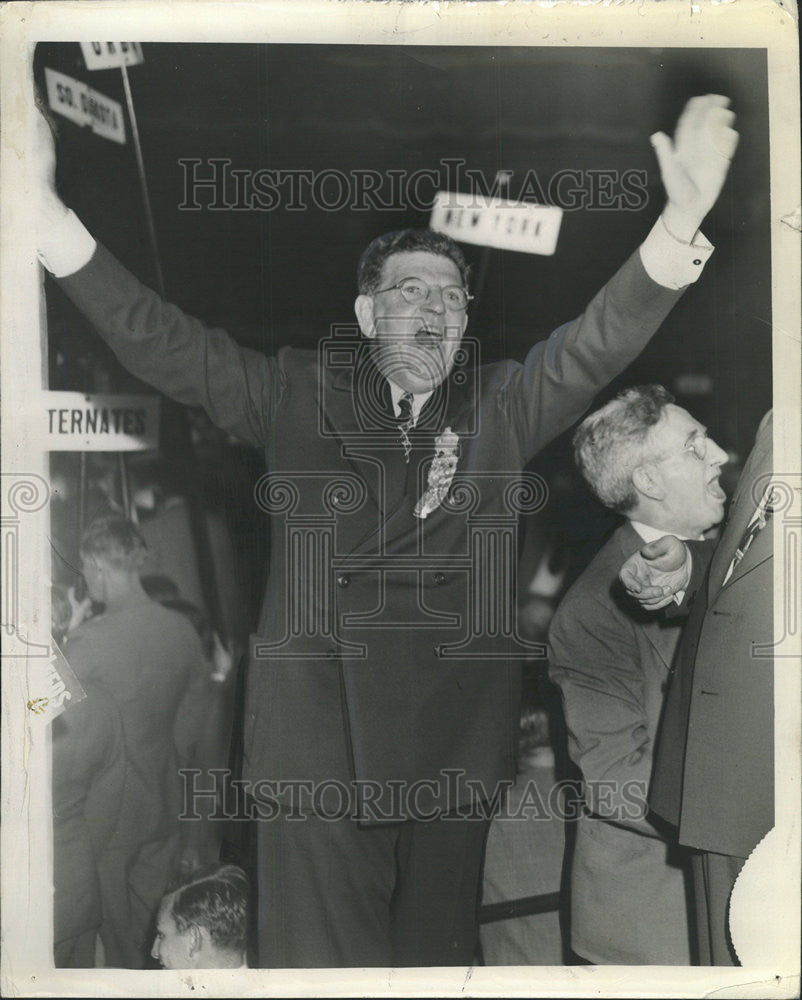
(670, 261)
(66, 247)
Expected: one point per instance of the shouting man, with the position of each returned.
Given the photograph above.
(379, 699)
(650, 460)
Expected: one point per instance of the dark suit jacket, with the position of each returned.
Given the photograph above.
(612, 663)
(714, 772)
(88, 776)
(150, 661)
(381, 644)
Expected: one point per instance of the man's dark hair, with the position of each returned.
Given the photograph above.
(612, 442)
(116, 540)
(369, 269)
(215, 897)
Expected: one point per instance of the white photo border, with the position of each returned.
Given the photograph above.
(26, 851)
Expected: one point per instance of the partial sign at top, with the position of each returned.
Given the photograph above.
(106, 55)
(497, 222)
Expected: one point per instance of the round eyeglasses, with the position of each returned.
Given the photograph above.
(416, 290)
(697, 447)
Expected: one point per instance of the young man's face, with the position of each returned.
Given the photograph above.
(171, 947)
(692, 499)
(414, 344)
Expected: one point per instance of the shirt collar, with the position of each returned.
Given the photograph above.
(650, 534)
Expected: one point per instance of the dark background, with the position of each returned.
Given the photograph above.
(284, 277)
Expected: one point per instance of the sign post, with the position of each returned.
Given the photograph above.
(106, 55)
(129, 100)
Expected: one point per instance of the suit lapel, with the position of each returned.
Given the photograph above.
(662, 635)
(448, 406)
(748, 493)
(358, 412)
(759, 551)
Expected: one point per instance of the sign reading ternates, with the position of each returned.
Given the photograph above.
(497, 222)
(71, 421)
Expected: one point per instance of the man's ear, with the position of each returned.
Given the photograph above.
(646, 483)
(195, 939)
(97, 565)
(363, 307)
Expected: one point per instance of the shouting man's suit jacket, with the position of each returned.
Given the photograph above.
(714, 771)
(376, 655)
(612, 663)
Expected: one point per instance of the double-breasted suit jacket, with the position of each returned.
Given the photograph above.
(714, 770)
(379, 655)
(612, 662)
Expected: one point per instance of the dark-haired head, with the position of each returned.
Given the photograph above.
(413, 307)
(369, 272)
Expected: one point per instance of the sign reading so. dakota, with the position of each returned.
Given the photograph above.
(85, 106)
(497, 222)
(72, 421)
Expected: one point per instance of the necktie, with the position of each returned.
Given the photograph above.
(405, 422)
(756, 524)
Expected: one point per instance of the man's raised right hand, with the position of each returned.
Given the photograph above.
(51, 209)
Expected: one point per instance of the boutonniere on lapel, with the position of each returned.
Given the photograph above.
(441, 472)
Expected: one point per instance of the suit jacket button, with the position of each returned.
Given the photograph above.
(343, 580)
(439, 579)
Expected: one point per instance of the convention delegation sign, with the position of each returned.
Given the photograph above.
(107, 55)
(497, 222)
(85, 106)
(73, 421)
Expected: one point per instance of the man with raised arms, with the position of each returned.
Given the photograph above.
(368, 670)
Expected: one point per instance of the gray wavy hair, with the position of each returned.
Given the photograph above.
(612, 442)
